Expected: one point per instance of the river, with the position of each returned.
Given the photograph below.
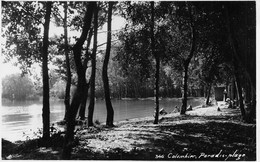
(23, 118)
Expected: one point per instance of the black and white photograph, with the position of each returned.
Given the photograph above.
(129, 80)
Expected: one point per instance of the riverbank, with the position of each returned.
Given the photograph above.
(202, 134)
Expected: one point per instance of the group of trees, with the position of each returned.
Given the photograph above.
(195, 41)
(164, 45)
(16, 87)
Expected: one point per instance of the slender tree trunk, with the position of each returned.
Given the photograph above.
(91, 101)
(185, 89)
(157, 77)
(234, 94)
(93, 72)
(77, 97)
(187, 61)
(208, 94)
(240, 97)
(82, 109)
(157, 62)
(110, 111)
(68, 84)
(46, 95)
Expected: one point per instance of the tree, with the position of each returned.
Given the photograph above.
(157, 62)
(237, 61)
(110, 111)
(21, 25)
(81, 83)
(135, 62)
(83, 103)
(93, 71)
(234, 38)
(17, 87)
(186, 61)
(46, 95)
(137, 55)
(22, 20)
(73, 16)
(66, 50)
(232, 33)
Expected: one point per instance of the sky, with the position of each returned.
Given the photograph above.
(8, 68)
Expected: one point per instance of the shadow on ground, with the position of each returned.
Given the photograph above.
(188, 137)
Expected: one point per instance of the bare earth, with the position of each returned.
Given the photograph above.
(201, 134)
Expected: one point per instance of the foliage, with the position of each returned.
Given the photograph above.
(58, 89)
(132, 54)
(17, 87)
(171, 43)
(22, 29)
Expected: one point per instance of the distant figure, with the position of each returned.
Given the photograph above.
(230, 104)
(177, 108)
(162, 112)
(234, 105)
(219, 109)
(189, 108)
(52, 128)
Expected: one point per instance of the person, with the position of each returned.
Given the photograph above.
(162, 112)
(189, 108)
(177, 108)
(52, 128)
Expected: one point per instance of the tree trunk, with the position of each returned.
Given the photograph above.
(240, 97)
(234, 92)
(157, 62)
(110, 111)
(82, 109)
(83, 104)
(208, 94)
(93, 72)
(236, 52)
(77, 97)
(46, 95)
(187, 61)
(157, 77)
(236, 62)
(185, 88)
(68, 84)
(76, 100)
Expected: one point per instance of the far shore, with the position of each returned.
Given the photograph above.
(39, 98)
